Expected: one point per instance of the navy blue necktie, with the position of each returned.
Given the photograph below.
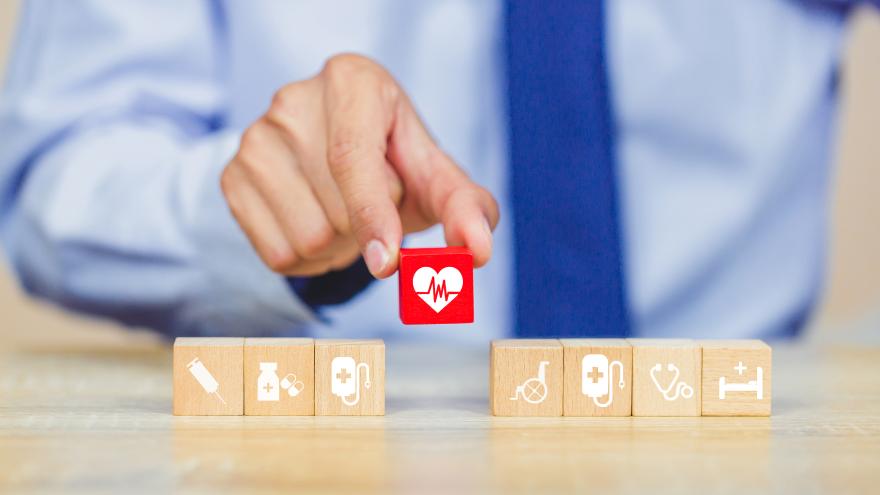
(569, 278)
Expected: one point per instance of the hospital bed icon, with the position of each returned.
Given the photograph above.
(756, 385)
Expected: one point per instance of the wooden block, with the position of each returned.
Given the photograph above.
(208, 374)
(436, 285)
(666, 377)
(349, 377)
(597, 377)
(279, 377)
(736, 378)
(525, 377)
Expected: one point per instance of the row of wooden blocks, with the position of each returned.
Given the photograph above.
(630, 377)
(278, 377)
(570, 377)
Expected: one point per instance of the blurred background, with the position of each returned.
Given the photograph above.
(850, 307)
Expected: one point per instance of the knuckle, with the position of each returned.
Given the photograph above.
(252, 152)
(344, 261)
(228, 184)
(280, 259)
(339, 219)
(347, 149)
(313, 243)
(291, 114)
(345, 63)
(227, 181)
(362, 216)
(235, 207)
(347, 69)
(340, 150)
(250, 164)
(344, 151)
(252, 139)
(293, 130)
(388, 89)
(286, 99)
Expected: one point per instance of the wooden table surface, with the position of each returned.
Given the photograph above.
(98, 419)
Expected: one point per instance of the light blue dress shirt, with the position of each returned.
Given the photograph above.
(118, 117)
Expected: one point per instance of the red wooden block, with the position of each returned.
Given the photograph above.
(436, 285)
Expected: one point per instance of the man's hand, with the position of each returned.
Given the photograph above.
(340, 165)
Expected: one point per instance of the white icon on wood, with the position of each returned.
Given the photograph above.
(596, 377)
(346, 379)
(267, 383)
(269, 387)
(756, 385)
(534, 390)
(205, 378)
(676, 388)
(437, 289)
(292, 385)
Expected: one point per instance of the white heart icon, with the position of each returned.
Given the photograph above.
(437, 289)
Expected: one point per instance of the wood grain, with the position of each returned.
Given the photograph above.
(515, 365)
(372, 400)
(647, 398)
(80, 420)
(223, 358)
(295, 358)
(575, 403)
(722, 358)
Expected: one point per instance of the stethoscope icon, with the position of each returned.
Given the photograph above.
(676, 388)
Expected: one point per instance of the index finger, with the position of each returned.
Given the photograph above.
(359, 117)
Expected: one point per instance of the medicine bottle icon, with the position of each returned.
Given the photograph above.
(267, 383)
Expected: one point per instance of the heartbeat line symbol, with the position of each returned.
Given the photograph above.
(438, 291)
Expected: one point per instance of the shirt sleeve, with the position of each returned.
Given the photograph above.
(112, 141)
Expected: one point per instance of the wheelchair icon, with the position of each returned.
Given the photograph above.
(533, 390)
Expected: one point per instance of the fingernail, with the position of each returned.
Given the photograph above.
(376, 256)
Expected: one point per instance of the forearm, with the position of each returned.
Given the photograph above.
(127, 221)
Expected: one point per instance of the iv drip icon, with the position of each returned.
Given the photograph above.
(346, 377)
(596, 378)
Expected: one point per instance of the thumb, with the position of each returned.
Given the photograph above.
(469, 214)
(438, 190)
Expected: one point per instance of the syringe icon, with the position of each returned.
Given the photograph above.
(205, 379)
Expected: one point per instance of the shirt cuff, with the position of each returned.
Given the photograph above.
(332, 288)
